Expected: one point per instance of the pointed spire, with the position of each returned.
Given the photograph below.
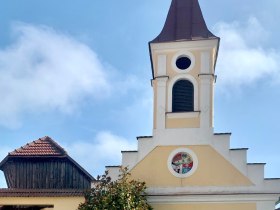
(184, 22)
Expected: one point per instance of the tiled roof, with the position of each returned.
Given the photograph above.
(11, 192)
(42, 147)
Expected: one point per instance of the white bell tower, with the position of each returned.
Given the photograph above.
(183, 62)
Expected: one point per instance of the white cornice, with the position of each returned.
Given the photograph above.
(210, 198)
(188, 45)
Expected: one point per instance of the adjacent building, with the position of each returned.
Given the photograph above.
(41, 175)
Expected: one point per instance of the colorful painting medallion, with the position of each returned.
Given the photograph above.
(182, 163)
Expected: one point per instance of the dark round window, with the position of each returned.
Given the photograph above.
(183, 63)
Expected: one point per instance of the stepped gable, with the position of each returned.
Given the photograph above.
(42, 147)
(184, 22)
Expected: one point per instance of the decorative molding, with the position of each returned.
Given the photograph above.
(188, 45)
(178, 115)
(210, 198)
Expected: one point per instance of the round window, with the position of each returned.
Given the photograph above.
(183, 63)
(182, 163)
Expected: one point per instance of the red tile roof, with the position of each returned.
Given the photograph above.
(42, 147)
(11, 192)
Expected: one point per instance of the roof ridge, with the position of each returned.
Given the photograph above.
(44, 146)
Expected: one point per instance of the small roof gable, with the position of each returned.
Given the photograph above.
(184, 22)
(42, 147)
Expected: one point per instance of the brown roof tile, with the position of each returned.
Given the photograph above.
(11, 192)
(42, 147)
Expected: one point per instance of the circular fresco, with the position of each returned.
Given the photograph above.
(182, 163)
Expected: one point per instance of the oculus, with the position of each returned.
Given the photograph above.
(182, 162)
(183, 63)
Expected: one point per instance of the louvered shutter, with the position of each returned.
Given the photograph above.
(183, 96)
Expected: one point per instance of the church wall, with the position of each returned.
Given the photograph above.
(213, 169)
(206, 206)
(193, 122)
(154, 83)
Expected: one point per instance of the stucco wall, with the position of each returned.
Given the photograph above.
(206, 206)
(212, 170)
(59, 203)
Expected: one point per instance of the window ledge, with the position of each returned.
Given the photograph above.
(176, 115)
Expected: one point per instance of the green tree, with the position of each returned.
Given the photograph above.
(122, 194)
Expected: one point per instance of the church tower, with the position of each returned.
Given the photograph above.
(185, 165)
(183, 58)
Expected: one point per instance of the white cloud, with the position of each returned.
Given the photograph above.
(243, 59)
(104, 150)
(46, 70)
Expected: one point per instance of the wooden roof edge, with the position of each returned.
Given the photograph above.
(81, 168)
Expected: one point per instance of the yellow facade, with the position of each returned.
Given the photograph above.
(212, 170)
(59, 203)
(183, 123)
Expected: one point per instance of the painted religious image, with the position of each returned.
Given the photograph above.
(182, 163)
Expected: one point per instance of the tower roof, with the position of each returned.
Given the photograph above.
(184, 22)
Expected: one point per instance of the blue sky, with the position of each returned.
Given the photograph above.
(79, 72)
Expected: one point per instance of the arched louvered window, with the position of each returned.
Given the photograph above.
(183, 96)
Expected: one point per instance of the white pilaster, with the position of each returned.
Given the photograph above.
(205, 100)
(205, 90)
(161, 65)
(161, 102)
(205, 62)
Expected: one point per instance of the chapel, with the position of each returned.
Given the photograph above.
(185, 164)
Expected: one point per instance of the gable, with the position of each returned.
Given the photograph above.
(212, 169)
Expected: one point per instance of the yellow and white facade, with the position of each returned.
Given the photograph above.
(185, 164)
